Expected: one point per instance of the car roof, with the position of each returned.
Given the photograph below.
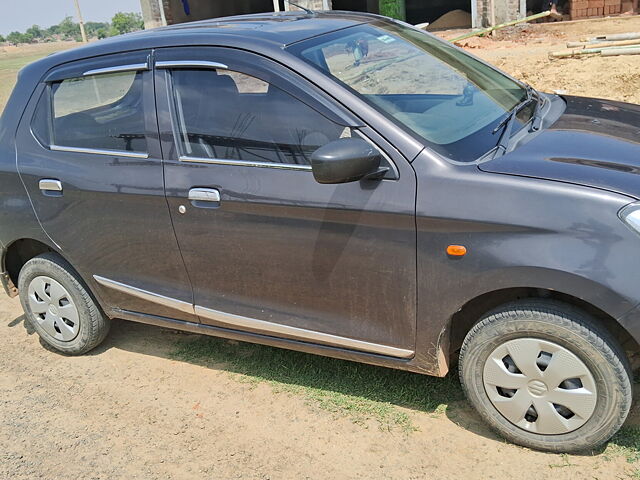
(269, 30)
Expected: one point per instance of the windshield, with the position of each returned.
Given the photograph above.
(450, 100)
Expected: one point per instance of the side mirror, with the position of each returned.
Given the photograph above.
(344, 160)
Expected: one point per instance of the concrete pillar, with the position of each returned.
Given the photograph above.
(151, 13)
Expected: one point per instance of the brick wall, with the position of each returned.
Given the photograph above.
(594, 8)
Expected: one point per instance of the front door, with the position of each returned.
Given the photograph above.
(268, 249)
(89, 156)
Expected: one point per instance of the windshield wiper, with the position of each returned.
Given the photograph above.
(510, 119)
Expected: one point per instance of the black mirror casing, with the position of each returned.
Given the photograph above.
(344, 160)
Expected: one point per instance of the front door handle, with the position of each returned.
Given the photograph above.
(50, 186)
(204, 197)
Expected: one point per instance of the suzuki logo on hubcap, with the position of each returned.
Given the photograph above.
(53, 310)
(537, 387)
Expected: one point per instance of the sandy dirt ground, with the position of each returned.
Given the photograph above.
(127, 410)
(131, 410)
(523, 52)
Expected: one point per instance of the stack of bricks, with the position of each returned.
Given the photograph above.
(594, 8)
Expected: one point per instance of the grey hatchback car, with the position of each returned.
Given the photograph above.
(341, 184)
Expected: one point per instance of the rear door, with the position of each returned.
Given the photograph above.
(89, 156)
(268, 249)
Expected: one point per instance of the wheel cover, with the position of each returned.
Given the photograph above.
(540, 386)
(53, 309)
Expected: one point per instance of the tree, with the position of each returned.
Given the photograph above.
(17, 37)
(126, 22)
(35, 31)
(95, 29)
(2, 40)
(69, 29)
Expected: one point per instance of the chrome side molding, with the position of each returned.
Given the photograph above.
(146, 295)
(237, 322)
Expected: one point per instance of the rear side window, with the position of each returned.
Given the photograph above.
(98, 112)
(228, 115)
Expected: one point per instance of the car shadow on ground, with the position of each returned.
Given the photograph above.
(328, 376)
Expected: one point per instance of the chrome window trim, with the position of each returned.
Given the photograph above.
(244, 163)
(134, 67)
(146, 295)
(190, 64)
(243, 324)
(97, 151)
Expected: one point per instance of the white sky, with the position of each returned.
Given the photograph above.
(21, 14)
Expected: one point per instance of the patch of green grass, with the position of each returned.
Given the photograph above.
(625, 443)
(358, 391)
(12, 59)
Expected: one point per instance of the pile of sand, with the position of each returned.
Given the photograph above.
(452, 19)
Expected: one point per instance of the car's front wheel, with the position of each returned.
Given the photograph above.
(60, 308)
(544, 375)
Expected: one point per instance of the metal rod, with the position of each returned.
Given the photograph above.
(498, 27)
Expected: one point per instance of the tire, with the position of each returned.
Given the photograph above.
(59, 306)
(516, 354)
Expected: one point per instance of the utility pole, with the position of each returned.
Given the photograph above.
(84, 34)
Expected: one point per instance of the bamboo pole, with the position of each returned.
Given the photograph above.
(498, 27)
(585, 51)
(603, 44)
(620, 51)
(612, 37)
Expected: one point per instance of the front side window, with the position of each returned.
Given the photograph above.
(450, 100)
(99, 112)
(228, 115)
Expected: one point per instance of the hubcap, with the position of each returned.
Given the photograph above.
(540, 386)
(53, 308)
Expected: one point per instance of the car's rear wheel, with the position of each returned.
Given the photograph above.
(544, 375)
(59, 307)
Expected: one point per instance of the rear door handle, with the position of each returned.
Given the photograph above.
(50, 186)
(204, 197)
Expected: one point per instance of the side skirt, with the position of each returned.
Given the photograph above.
(287, 344)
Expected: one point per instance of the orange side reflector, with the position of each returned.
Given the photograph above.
(457, 250)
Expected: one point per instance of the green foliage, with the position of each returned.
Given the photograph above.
(93, 29)
(68, 29)
(17, 38)
(35, 31)
(393, 9)
(126, 22)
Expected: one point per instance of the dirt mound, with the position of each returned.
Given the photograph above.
(452, 19)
